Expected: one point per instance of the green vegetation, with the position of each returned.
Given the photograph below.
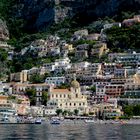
(96, 26)
(76, 112)
(44, 98)
(122, 39)
(119, 39)
(31, 93)
(65, 113)
(4, 63)
(3, 55)
(132, 110)
(11, 97)
(36, 78)
(93, 89)
(59, 111)
(124, 117)
(64, 86)
(90, 42)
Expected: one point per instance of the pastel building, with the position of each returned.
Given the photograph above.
(19, 76)
(20, 88)
(69, 100)
(114, 90)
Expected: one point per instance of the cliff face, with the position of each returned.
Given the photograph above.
(39, 14)
(4, 33)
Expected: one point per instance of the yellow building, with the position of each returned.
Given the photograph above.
(69, 100)
(99, 49)
(69, 47)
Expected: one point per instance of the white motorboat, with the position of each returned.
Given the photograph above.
(90, 121)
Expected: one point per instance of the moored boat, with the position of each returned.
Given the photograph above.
(38, 121)
(89, 121)
(55, 121)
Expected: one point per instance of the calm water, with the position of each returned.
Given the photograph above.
(70, 132)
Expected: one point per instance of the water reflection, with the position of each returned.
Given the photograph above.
(70, 132)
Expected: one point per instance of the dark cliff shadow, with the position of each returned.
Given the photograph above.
(86, 11)
(39, 15)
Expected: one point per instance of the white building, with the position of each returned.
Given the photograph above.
(49, 111)
(59, 65)
(49, 66)
(36, 111)
(55, 80)
(82, 65)
(5, 88)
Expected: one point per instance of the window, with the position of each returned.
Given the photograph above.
(74, 104)
(70, 104)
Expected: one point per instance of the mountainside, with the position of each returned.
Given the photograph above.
(39, 14)
(4, 33)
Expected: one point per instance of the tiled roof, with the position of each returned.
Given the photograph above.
(3, 97)
(61, 90)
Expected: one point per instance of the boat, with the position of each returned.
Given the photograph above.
(55, 121)
(38, 121)
(89, 121)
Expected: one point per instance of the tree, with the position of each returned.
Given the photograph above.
(64, 113)
(76, 112)
(136, 110)
(70, 113)
(122, 39)
(31, 93)
(11, 97)
(64, 86)
(93, 89)
(36, 78)
(128, 110)
(3, 55)
(44, 98)
(59, 111)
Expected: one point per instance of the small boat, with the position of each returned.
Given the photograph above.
(89, 121)
(38, 121)
(56, 121)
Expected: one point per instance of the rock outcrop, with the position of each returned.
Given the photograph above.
(4, 33)
(39, 14)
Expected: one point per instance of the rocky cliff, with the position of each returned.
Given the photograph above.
(39, 14)
(4, 33)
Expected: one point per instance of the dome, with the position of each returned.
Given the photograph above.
(75, 84)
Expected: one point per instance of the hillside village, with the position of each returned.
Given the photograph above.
(80, 76)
